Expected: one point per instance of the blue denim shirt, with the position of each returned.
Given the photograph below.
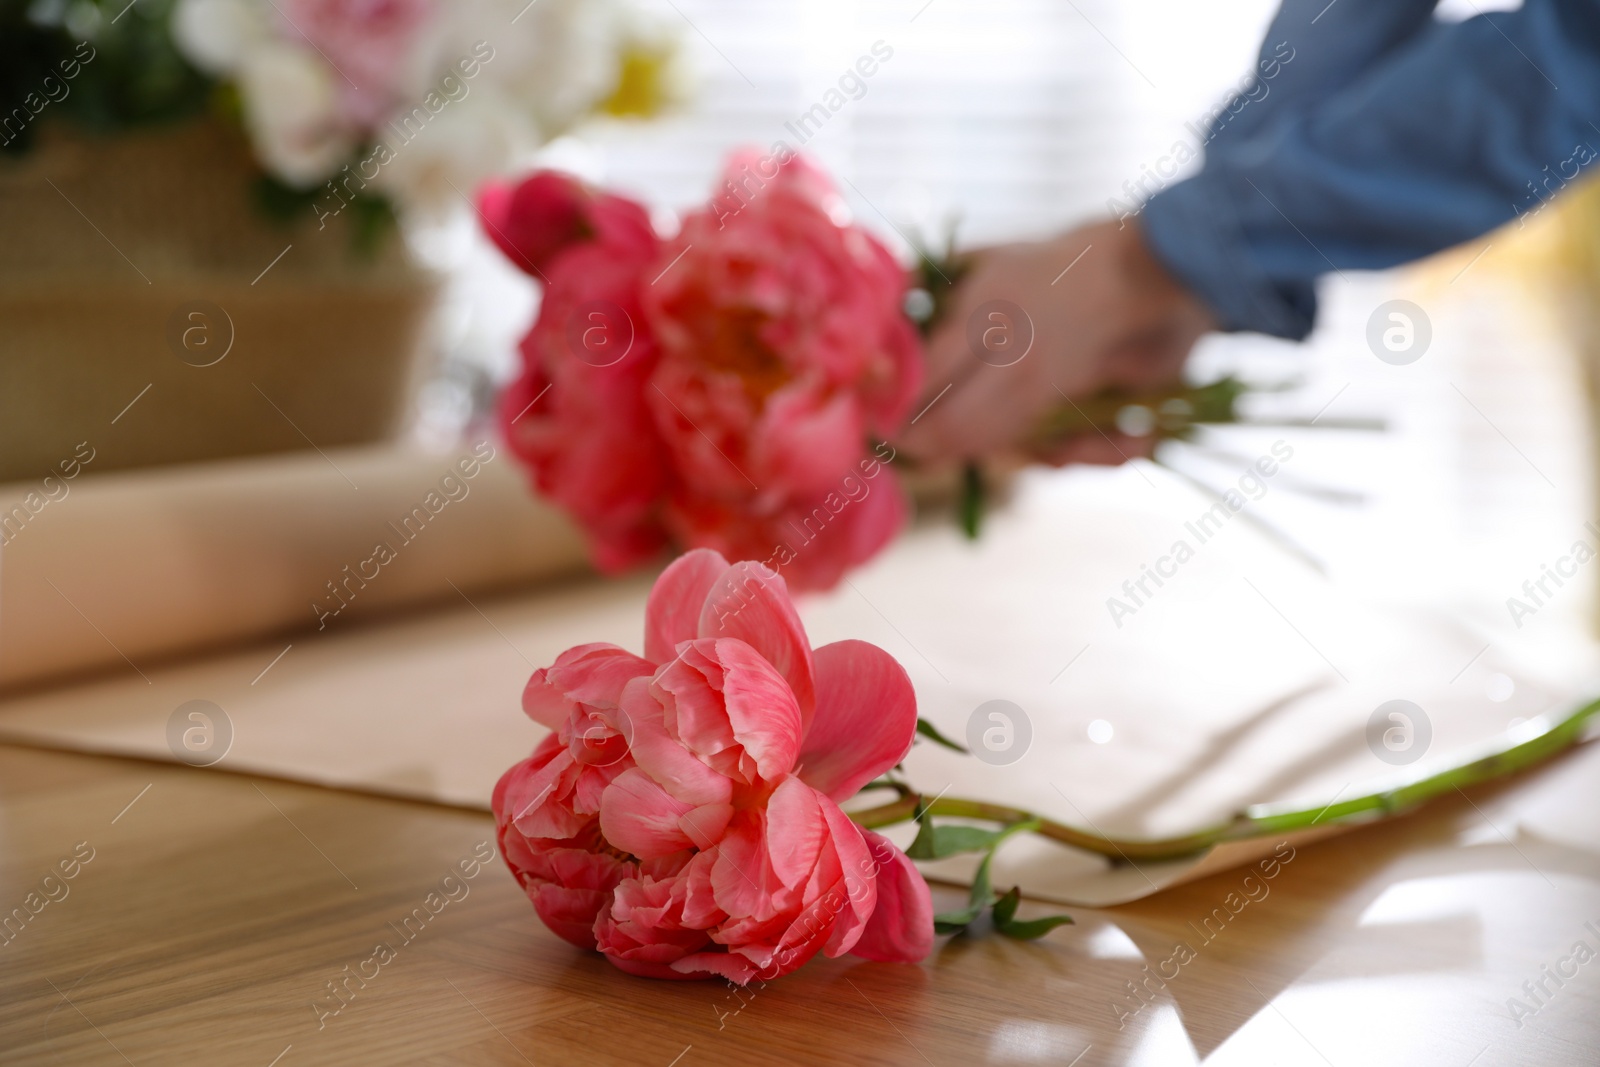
(1388, 135)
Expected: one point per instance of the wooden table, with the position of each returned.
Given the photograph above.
(217, 907)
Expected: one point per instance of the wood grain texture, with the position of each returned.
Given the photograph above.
(217, 907)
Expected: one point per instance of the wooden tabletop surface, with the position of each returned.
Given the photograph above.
(207, 912)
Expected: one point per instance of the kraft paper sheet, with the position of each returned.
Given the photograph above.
(1244, 679)
(100, 570)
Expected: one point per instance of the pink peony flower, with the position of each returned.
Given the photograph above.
(768, 347)
(814, 540)
(684, 816)
(782, 336)
(579, 416)
(372, 45)
(546, 214)
(783, 349)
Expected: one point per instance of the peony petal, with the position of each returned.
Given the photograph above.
(589, 786)
(761, 708)
(545, 751)
(531, 221)
(705, 825)
(700, 908)
(902, 380)
(638, 816)
(874, 522)
(570, 888)
(673, 611)
(751, 602)
(807, 442)
(670, 972)
(543, 702)
(733, 967)
(569, 913)
(901, 927)
(829, 541)
(549, 215)
(804, 938)
(742, 879)
(796, 831)
(756, 938)
(865, 721)
(857, 883)
(592, 674)
(664, 758)
(689, 690)
(595, 674)
(536, 799)
(644, 926)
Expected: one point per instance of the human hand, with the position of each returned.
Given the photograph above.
(1036, 326)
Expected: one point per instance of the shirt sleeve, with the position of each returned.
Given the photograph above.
(1312, 50)
(1385, 148)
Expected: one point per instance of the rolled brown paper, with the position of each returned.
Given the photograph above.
(117, 570)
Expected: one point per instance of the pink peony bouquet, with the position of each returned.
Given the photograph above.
(683, 816)
(728, 388)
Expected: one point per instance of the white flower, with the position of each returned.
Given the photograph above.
(511, 75)
(215, 35)
(563, 61)
(442, 163)
(292, 111)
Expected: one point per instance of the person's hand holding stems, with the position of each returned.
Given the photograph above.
(1105, 317)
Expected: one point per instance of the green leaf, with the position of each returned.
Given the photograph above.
(280, 202)
(936, 842)
(371, 217)
(971, 502)
(931, 732)
(921, 847)
(1032, 929)
(954, 922)
(1005, 921)
(937, 275)
(982, 895)
(373, 222)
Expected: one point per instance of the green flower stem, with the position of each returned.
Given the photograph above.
(972, 500)
(905, 809)
(1518, 749)
(1526, 746)
(1173, 412)
(1177, 412)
